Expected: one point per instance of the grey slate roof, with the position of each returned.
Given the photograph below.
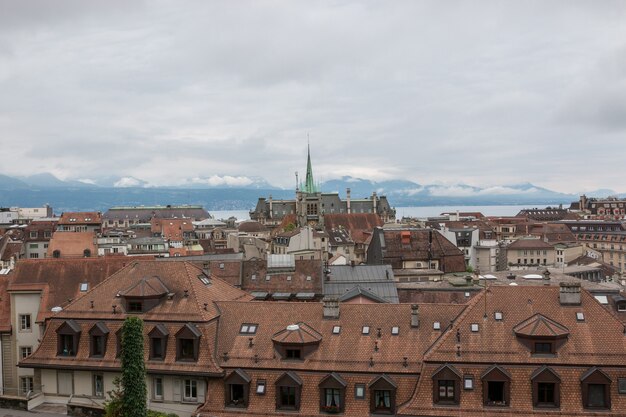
(376, 279)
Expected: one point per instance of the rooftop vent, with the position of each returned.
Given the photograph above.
(293, 327)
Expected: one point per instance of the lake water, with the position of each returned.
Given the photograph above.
(429, 211)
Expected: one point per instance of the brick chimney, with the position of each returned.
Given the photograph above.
(569, 294)
(415, 320)
(331, 308)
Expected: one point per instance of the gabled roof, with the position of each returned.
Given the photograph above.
(362, 292)
(358, 225)
(335, 376)
(300, 333)
(382, 378)
(539, 325)
(542, 369)
(496, 368)
(100, 327)
(72, 244)
(146, 287)
(592, 371)
(448, 367)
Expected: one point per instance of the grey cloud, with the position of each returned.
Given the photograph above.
(479, 93)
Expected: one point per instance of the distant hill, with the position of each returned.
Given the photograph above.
(241, 192)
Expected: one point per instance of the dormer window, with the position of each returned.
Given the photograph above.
(98, 336)
(296, 341)
(135, 306)
(158, 342)
(188, 343)
(541, 335)
(68, 335)
(144, 295)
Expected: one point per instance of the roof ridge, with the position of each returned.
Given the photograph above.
(193, 287)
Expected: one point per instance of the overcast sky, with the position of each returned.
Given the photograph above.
(482, 93)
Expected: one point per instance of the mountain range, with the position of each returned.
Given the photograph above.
(241, 192)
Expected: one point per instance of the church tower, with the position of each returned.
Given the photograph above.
(309, 198)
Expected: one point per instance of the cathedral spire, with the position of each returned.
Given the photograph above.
(309, 185)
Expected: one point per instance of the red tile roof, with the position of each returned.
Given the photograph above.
(72, 244)
(80, 217)
(60, 279)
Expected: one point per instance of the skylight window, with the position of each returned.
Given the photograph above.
(580, 316)
(498, 315)
(437, 325)
(267, 277)
(84, 286)
(288, 277)
(467, 294)
(602, 299)
(366, 330)
(248, 328)
(253, 277)
(308, 278)
(336, 329)
(204, 280)
(395, 330)
(221, 266)
(474, 327)
(260, 387)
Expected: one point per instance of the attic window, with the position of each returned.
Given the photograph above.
(336, 329)
(498, 315)
(205, 280)
(474, 327)
(366, 330)
(395, 330)
(580, 316)
(84, 286)
(436, 325)
(248, 328)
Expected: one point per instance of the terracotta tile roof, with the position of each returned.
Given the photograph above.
(182, 279)
(539, 325)
(189, 300)
(358, 225)
(66, 275)
(300, 333)
(596, 341)
(350, 350)
(171, 229)
(306, 277)
(12, 249)
(72, 244)
(80, 217)
(40, 228)
(591, 341)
